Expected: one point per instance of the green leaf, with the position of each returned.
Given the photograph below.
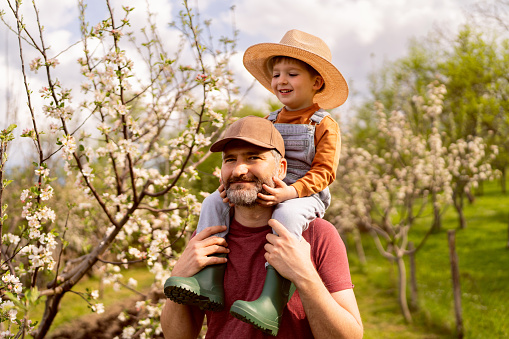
(11, 128)
(32, 295)
(14, 299)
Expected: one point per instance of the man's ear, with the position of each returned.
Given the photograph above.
(281, 173)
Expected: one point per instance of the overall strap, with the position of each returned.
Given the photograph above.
(273, 115)
(318, 116)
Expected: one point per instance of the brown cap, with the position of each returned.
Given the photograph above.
(255, 130)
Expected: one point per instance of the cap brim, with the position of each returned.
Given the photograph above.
(219, 146)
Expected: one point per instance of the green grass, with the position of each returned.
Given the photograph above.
(380, 313)
(484, 273)
(73, 306)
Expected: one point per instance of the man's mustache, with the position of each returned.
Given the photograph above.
(242, 178)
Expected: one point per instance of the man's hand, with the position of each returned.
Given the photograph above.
(333, 315)
(289, 256)
(196, 254)
(279, 193)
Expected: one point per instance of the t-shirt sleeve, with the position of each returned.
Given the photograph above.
(328, 253)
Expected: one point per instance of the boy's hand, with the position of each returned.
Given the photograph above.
(279, 193)
(222, 194)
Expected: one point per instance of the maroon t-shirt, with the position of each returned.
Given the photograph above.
(245, 275)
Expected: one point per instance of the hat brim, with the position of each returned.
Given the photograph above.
(256, 60)
(219, 146)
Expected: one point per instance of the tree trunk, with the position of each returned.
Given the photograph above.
(359, 247)
(50, 311)
(470, 195)
(403, 303)
(52, 301)
(458, 204)
(413, 279)
(451, 235)
(461, 215)
(437, 220)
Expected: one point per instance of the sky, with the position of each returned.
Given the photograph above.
(362, 34)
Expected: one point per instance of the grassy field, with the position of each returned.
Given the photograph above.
(73, 306)
(484, 273)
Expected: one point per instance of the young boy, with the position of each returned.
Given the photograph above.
(298, 70)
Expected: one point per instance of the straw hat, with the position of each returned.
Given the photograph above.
(305, 47)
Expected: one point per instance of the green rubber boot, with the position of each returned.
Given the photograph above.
(265, 313)
(204, 289)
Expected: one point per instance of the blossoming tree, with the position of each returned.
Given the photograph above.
(130, 146)
(388, 183)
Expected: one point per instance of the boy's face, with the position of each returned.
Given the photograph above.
(294, 85)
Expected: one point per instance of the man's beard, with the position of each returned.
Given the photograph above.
(246, 197)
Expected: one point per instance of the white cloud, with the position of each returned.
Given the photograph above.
(361, 33)
(363, 20)
(353, 29)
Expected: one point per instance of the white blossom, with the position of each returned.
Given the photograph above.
(98, 308)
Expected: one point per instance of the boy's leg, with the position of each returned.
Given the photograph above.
(205, 289)
(214, 212)
(265, 312)
(296, 214)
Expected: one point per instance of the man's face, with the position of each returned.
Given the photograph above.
(245, 169)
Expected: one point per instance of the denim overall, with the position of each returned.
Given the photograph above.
(294, 214)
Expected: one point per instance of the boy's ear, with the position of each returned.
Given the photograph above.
(318, 83)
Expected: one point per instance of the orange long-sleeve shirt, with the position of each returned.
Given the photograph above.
(327, 150)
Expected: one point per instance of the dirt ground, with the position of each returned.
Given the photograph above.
(102, 326)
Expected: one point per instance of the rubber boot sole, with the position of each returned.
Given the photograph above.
(185, 294)
(267, 326)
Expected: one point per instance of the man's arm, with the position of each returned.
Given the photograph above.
(182, 321)
(333, 315)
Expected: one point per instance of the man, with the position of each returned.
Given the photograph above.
(324, 304)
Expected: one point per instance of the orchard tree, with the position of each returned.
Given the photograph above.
(130, 147)
(489, 12)
(477, 103)
(469, 164)
(383, 188)
(458, 167)
(351, 208)
(472, 65)
(440, 178)
(389, 182)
